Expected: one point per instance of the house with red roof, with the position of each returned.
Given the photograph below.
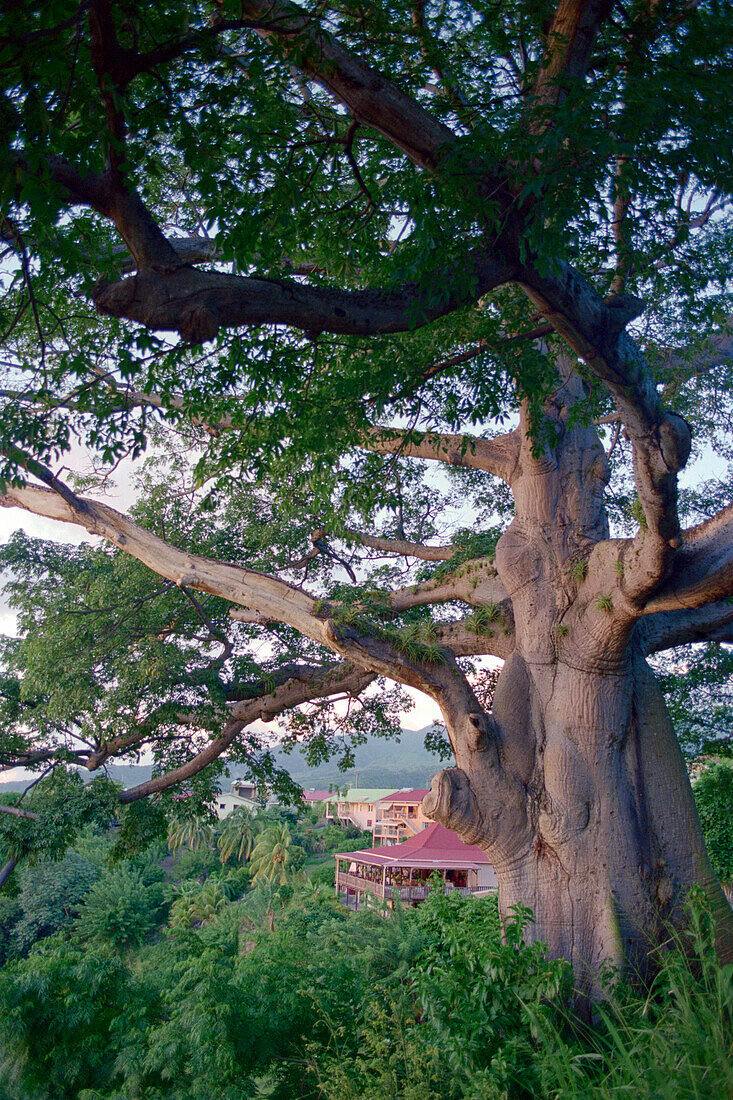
(399, 816)
(311, 795)
(404, 872)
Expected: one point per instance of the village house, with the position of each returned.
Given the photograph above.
(228, 801)
(358, 806)
(311, 796)
(399, 815)
(403, 872)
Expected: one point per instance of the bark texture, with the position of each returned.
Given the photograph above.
(574, 784)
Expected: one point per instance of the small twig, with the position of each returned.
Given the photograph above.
(348, 147)
(215, 634)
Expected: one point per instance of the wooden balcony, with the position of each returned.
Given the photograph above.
(413, 892)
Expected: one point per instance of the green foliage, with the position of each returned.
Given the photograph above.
(121, 909)
(284, 988)
(10, 913)
(675, 1043)
(604, 603)
(481, 619)
(469, 545)
(636, 511)
(578, 571)
(713, 793)
(194, 903)
(339, 836)
(237, 835)
(64, 807)
(324, 874)
(195, 865)
(56, 1011)
(143, 823)
(697, 682)
(50, 897)
(272, 857)
(190, 832)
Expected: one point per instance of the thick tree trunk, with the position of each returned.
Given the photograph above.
(574, 784)
(587, 816)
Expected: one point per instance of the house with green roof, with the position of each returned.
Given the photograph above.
(358, 806)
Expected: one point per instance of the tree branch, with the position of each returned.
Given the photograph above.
(307, 684)
(703, 568)
(403, 547)
(594, 330)
(496, 456)
(7, 870)
(713, 351)
(197, 304)
(667, 629)
(16, 812)
(113, 198)
(465, 639)
(267, 595)
(573, 31)
(370, 97)
(475, 582)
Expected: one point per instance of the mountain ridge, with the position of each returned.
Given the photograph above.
(399, 763)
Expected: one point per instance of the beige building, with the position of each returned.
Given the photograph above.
(359, 806)
(399, 816)
(227, 802)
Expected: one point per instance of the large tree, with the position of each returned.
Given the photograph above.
(325, 242)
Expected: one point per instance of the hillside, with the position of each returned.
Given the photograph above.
(378, 763)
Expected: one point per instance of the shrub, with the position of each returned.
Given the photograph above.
(50, 897)
(120, 909)
(714, 799)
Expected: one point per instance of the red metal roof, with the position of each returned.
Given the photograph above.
(415, 795)
(319, 796)
(435, 846)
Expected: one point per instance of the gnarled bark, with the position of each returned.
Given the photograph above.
(574, 784)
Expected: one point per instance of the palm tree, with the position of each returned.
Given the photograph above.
(194, 904)
(271, 856)
(189, 832)
(261, 903)
(237, 836)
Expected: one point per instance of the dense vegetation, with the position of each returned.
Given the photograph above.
(308, 249)
(174, 976)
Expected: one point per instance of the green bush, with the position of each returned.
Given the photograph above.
(10, 913)
(456, 1024)
(120, 909)
(425, 1004)
(56, 1010)
(50, 897)
(714, 799)
(324, 874)
(674, 1043)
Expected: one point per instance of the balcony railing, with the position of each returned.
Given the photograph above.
(409, 892)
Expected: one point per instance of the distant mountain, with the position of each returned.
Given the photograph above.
(379, 762)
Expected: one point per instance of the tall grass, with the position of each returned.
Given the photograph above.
(674, 1043)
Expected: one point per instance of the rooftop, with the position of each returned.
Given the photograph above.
(435, 846)
(363, 794)
(314, 795)
(415, 795)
